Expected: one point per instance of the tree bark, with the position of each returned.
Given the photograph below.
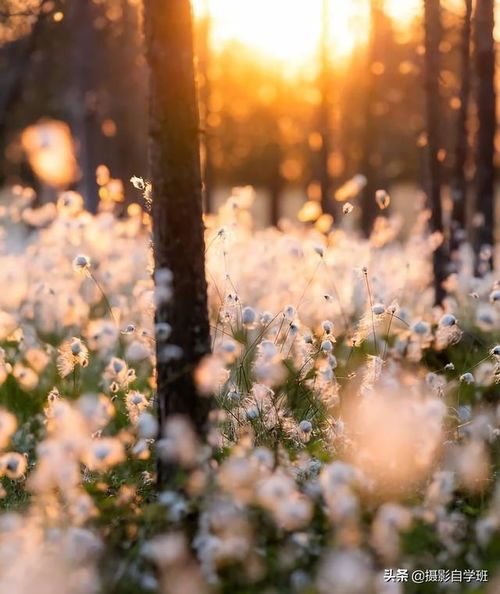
(327, 203)
(432, 10)
(275, 182)
(176, 207)
(127, 150)
(459, 187)
(83, 122)
(371, 132)
(486, 111)
(206, 91)
(15, 76)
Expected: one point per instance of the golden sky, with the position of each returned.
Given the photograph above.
(289, 30)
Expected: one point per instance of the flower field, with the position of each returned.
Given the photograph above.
(354, 431)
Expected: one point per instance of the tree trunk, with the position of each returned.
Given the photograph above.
(128, 99)
(370, 140)
(275, 182)
(432, 11)
(327, 202)
(14, 76)
(459, 187)
(206, 91)
(80, 27)
(485, 168)
(176, 208)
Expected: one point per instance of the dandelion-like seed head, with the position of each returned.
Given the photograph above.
(138, 182)
(72, 353)
(467, 378)
(76, 347)
(383, 199)
(421, 328)
(81, 264)
(266, 318)
(147, 425)
(8, 426)
(103, 453)
(163, 330)
(13, 465)
(248, 316)
(447, 321)
(136, 402)
(252, 413)
(305, 426)
(267, 349)
(347, 208)
(70, 203)
(163, 276)
(495, 351)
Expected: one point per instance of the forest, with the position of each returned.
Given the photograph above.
(249, 297)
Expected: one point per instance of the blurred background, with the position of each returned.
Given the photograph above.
(307, 101)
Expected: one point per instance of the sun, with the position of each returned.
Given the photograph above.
(290, 30)
(286, 30)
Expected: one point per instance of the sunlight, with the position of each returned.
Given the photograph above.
(286, 31)
(290, 31)
(403, 11)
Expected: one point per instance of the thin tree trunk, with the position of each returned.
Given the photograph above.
(204, 65)
(275, 182)
(432, 11)
(80, 26)
(324, 114)
(128, 101)
(486, 103)
(176, 208)
(459, 188)
(370, 141)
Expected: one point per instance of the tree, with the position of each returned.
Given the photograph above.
(324, 113)
(485, 167)
(432, 11)
(18, 58)
(176, 209)
(204, 57)
(274, 154)
(123, 98)
(82, 111)
(459, 181)
(369, 167)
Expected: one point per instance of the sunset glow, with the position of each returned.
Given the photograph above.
(290, 31)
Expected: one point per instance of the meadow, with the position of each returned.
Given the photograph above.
(354, 428)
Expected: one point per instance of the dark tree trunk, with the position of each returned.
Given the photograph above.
(205, 92)
(84, 126)
(432, 15)
(128, 108)
(275, 182)
(485, 168)
(176, 207)
(370, 141)
(18, 59)
(459, 187)
(325, 181)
